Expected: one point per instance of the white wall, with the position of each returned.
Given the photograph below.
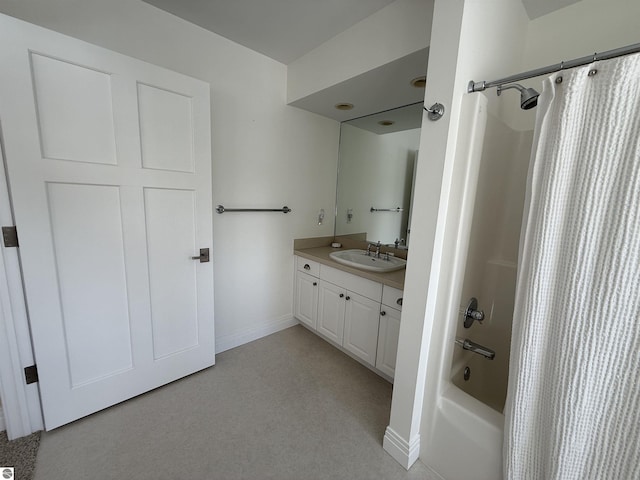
(393, 32)
(265, 154)
(461, 49)
(580, 29)
(402, 437)
(375, 171)
(441, 429)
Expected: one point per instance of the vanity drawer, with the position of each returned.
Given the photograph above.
(363, 286)
(392, 297)
(308, 266)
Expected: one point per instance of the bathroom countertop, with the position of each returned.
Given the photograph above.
(321, 255)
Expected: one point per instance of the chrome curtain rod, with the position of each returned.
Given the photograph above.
(577, 62)
(222, 209)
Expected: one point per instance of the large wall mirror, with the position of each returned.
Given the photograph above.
(376, 169)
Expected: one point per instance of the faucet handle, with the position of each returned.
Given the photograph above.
(472, 313)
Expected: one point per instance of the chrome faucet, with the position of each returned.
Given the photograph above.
(474, 347)
(376, 246)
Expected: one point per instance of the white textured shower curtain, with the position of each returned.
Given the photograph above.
(573, 402)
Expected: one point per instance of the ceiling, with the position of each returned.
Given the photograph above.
(285, 30)
(281, 29)
(539, 8)
(377, 90)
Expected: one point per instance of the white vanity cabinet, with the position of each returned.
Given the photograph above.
(348, 310)
(389, 332)
(331, 303)
(305, 305)
(361, 322)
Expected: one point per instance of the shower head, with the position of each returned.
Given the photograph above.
(528, 96)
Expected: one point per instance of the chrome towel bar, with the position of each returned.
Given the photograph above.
(397, 209)
(222, 209)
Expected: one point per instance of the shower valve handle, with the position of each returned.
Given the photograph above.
(472, 313)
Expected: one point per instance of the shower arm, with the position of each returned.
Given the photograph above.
(515, 86)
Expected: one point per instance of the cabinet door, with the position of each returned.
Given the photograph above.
(392, 297)
(331, 300)
(361, 327)
(388, 340)
(306, 299)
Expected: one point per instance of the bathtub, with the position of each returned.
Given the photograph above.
(465, 441)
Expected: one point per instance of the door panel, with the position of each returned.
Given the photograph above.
(87, 237)
(74, 108)
(170, 216)
(117, 307)
(165, 129)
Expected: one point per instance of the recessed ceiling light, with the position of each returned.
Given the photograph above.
(419, 82)
(343, 106)
(386, 123)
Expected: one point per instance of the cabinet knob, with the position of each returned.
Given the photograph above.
(383, 313)
(307, 266)
(399, 301)
(341, 295)
(348, 297)
(315, 283)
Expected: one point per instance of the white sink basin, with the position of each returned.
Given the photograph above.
(359, 259)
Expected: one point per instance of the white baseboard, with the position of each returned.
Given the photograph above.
(404, 452)
(231, 341)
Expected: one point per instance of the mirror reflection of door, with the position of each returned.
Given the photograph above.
(376, 173)
(413, 188)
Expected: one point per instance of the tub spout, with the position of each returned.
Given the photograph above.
(476, 348)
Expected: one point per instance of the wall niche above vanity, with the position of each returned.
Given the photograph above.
(376, 172)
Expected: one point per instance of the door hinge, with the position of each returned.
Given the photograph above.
(31, 374)
(10, 236)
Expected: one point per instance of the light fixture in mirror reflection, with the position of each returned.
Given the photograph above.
(376, 170)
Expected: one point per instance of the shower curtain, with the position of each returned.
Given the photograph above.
(573, 402)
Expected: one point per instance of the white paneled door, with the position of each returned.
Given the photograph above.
(109, 166)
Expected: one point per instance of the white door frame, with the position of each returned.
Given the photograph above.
(20, 402)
